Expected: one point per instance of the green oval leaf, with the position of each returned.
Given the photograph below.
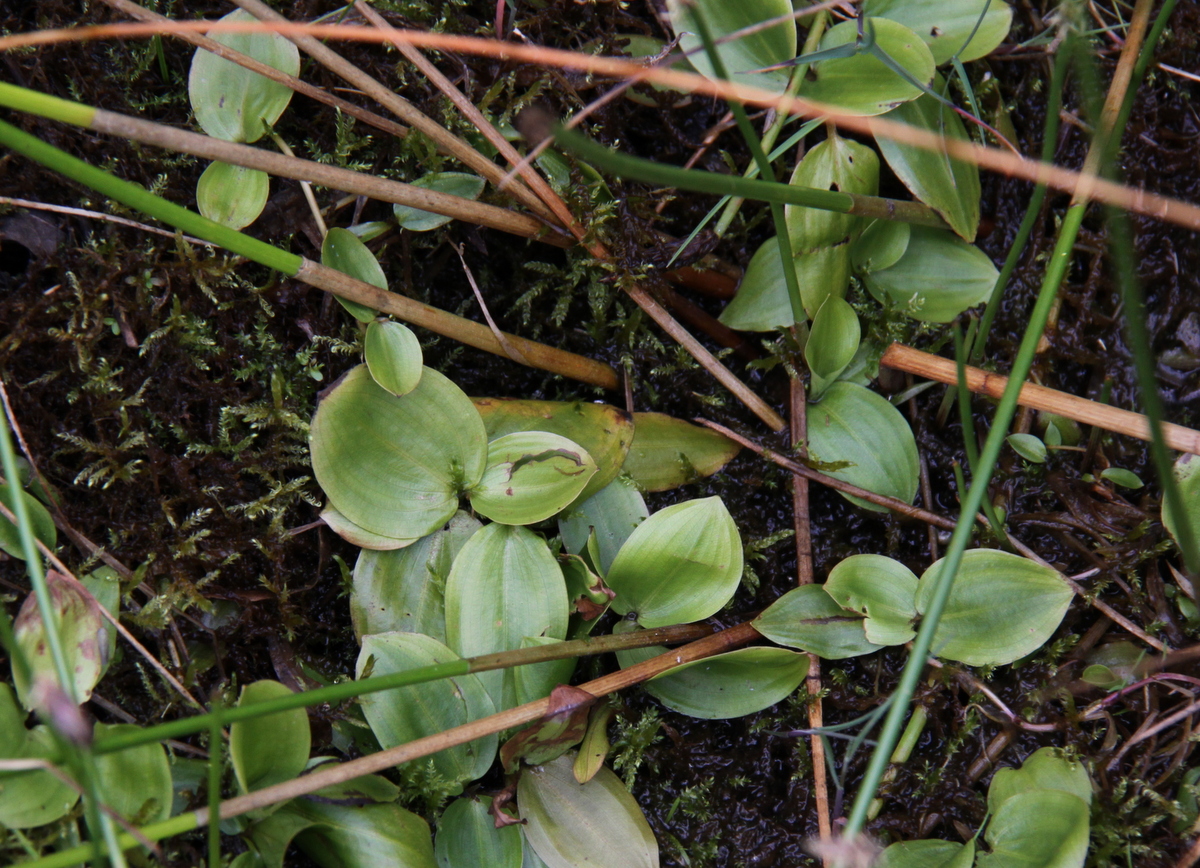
(603, 430)
(612, 514)
(832, 343)
(946, 27)
(136, 782)
(536, 680)
(395, 465)
(742, 56)
(1046, 769)
(408, 713)
(1038, 829)
(40, 519)
(881, 589)
(344, 251)
(667, 453)
(83, 633)
(231, 195)
(363, 836)
(452, 183)
(930, 853)
(592, 825)
(948, 186)
(1028, 447)
(530, 476)
(835, 164)
(393, 356)
(681, 564)
(880, 246)
(504, 586)
(852, 423)
(1002, 607)
(727, 685)
(402, 590)
(33, 798)
(1122, 477)
(467, 837)
(808, 618)
(230, 101)
(761, 303)
(938, 277)
(1187, 474)
(268, 750)
(864, 84)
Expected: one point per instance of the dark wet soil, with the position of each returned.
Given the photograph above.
(159, 391)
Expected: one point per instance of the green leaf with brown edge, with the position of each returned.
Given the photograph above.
(42, 523)
(682, 564)
(344, 251)
(530, 476)
(592, 825)
(560, 729)
(268, 750)
(883, 590)
(407, 713)
(32, 798)
(460, 184)
(741, 56)
(467, 837)
(727, 685)
(231, 195)
(82, 630)
(946, 27)
(809, 619)
(1001, 607)
(230, 101)
(852, 423)
(938, 277)
(504, 585)
(393, 356)
(611, 514)
(392, 465)
(947, 185)
(667, 453)
(864, 84)
(136, 782)
(603, 430)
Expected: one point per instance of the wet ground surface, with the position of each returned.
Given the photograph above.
(175, 383)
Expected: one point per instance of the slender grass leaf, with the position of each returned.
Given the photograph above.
(136, 782)
(681, 564)
(467, 837)
(272, 749)
(808, 618)
(612, 514)
(946, 27)
(863, 84)
(453, 183)
(530, 476)
(767, 47)
(880, 588)
(395, 465)
(393, 356)
(504, 586)
(852, 423)
(948, 186)
(592, 825)
(938, 277)
(603, 430)
(231, 195)
(667, 452)
(417, 710)
(230, 101)
(403, 591)
(1001, 607)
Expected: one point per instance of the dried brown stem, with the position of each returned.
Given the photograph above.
(987, 383)
(377, 762)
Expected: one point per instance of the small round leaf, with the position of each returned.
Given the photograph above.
(393, 356)
(231, 195)
(1028, 447)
